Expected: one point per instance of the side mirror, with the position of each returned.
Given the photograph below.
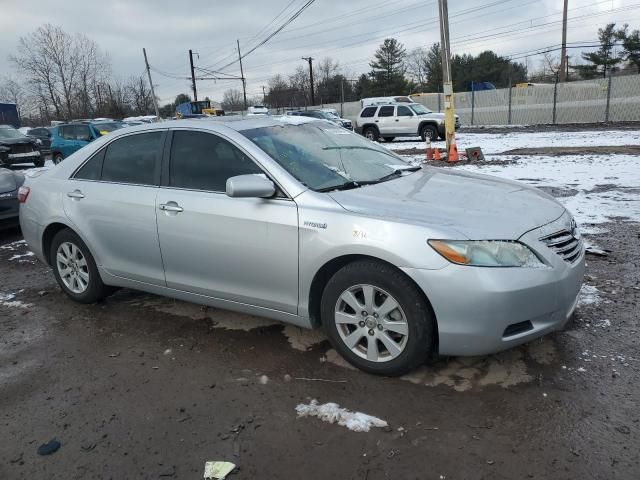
(250, 186)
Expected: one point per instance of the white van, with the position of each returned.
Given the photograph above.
(373, 101)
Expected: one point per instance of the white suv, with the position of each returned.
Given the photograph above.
(401, 120)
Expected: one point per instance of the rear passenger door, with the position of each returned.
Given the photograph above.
(111, 200)
(237, 249)
(386, 120)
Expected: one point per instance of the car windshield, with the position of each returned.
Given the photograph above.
(320, 114)
(107, 127)
(9, 133)
(324, 157)
(419, 109)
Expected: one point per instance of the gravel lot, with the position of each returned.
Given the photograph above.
(141, 386)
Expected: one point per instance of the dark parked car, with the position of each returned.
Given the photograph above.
(16, 148)
(44, 135)
(10, 182)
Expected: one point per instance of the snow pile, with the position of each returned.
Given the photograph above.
(333, 413)
(589, 295)
(19, 256)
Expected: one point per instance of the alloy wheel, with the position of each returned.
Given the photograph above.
(371, 323)
(72, 267)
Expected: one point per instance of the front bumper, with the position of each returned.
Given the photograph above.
(20, 158)
(485, 310)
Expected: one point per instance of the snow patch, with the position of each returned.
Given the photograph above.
(7, 300)
(589, 295)
(333, 413)
(18, 256)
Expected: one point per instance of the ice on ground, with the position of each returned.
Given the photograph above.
(19, 256)
(333, 413)
(492, 143)
(605, 323)
(589, 295)
(13, 245)
(7, 300)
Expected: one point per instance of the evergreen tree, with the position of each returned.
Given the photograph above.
(388, 69)
(631, 46)
(603, 59)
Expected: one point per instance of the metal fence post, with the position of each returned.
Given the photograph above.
(439, 105)
(509, 111)
(555, 99)
(473, 101)
(606, 111)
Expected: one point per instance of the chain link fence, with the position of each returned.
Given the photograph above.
(612, 99)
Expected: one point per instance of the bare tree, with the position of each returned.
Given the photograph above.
(417, 65)
(139, 94)
(11, 91)
(233, 100)
(62, 67)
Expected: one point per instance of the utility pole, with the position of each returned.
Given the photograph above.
(264, 95)
(341, 96)
(310, 60)
(449, 121)
(563, 53)
(153, 94)
(244, 83)
(193, 77)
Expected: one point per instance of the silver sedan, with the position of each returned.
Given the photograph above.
(305, 222)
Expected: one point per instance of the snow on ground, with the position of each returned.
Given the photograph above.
(589, 295)
(8, 300)
(492, 143)
(333, 413)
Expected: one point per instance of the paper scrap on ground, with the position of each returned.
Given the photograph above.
(333, 413)
(218, 470)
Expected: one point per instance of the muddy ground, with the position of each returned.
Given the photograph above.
(147, 387)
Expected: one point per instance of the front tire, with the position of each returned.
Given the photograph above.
(57, 158)
(377, 318)
(75, 269)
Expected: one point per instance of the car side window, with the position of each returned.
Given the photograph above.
(133, 159)
(82, 132)
(404, 112)
(92, 169)
(66, 132)
(386, 111)
(368, 112)
(204, 161)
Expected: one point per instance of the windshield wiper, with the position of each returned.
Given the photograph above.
(395, 173)
(344, 186)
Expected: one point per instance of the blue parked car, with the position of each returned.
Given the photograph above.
(71, 137)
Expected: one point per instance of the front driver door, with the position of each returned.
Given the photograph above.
(239, 249)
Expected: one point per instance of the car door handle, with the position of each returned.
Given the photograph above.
(171, 207)
(75, 194)
(397, 120)
(376, 121)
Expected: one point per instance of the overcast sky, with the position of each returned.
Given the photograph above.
(349, 32)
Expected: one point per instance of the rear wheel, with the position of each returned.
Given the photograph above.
(377, 318)
(371, 133)
(389, 139)
(428, 132)
(75, 269)
(57, 158)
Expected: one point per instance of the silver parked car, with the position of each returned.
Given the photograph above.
(305, 222)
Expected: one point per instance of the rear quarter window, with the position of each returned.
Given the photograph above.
(368, 112)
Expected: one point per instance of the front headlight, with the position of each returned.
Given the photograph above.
(487, 253)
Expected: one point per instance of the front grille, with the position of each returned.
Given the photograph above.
(566, 244)
(24, 148)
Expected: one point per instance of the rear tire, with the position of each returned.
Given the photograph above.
(430, 132)
(75, 269)
(57, 158)
(371, 133)
(394, 337)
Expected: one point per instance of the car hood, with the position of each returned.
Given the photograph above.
(16, 141)
(477, 206)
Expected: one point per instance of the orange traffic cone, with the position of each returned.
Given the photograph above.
(452, 156)
(436, 153)
(429, 150)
